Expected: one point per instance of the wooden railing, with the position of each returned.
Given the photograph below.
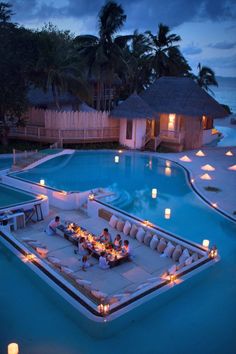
(172, 136)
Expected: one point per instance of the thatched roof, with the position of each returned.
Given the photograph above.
(133, 107)
(37, 97)
(181, 95)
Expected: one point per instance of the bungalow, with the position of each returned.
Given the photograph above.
(173, 112)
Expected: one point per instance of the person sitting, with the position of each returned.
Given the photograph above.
(103, 263)
(52, 226)
(82, 247)
(105, 237)
(117, 242)
(85, 263)
(126, 249)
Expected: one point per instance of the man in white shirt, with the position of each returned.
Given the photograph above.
(103, 263)
(51, 228)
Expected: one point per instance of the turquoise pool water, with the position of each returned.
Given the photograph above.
(10, 197)
(199, 318)
(5, 162)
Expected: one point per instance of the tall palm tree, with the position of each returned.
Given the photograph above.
(103, 55)
(206, 77)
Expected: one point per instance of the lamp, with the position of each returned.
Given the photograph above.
(167, 213)
(213, 252)
(154, 193)
(172, 278)
(229, 153)
(206, 243)
(91, 196)
(13, 348)
(120, 151)
(168, 171)
(232, 168)
(42, 182)
(167, 163)
(208, 167)
(206, 176)
(200, 153)
(185, 158)
(117, 158)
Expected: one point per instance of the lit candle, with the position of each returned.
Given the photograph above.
(117, 159)
(206, 243)
(154, 193)
(42, 182)
(167, 213)
(13, 348)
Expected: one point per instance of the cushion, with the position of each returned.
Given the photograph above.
(188, 261)
(195, 257)
(83, 282)
(161, 245)
(66, 270)
(133, 231)
(127, 227)
(177, 253)
(120, 225)
(172, 269)
(184, 256)
(98, 294)
(169, 249)
(154, 242)
(180, 266)
(147, 238)
(113, 221)
(140, 234)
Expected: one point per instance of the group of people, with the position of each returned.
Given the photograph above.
(82, 250)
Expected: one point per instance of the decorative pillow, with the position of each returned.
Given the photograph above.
(172, 269)
(195, 257)
(127, 228)
(184, 256)
(161, 245)
(180, 266)
(188, 261)
(113, 221)
(169, 249)
(154, 242)
(133, 231)
(147, 238)
(120, 225)
(140, 234)
(177, 253)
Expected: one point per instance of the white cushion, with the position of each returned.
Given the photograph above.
(154, 242)
(83, 282)
(120, 225)
(147, 238)
(195, 257)
(177, 253)
(66, 270)
(172, 269)
(189, 261)
(113, 221)
(140, 234)
(133, 231)
(98, 294)
(127, 227)
(169, 249)
(54, 260)
(184, 256)
(161, 245)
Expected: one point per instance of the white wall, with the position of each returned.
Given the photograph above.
(139, 129)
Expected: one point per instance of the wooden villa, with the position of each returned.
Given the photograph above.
(173, 112)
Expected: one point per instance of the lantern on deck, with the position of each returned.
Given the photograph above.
(168, 171)
(206, 243)
(154, 193)
(185, 158)
(13, 348)
(42, 182)
(200, 153)
(167, 213)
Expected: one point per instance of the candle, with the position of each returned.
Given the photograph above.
(13, 348)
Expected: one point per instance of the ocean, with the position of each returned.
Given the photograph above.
(225, 93)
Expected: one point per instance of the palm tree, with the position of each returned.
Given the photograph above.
(206, 77)
(103, 55)
(167, 59)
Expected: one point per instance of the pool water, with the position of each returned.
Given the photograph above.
(5, 162)
(198, 319)
(10, 197)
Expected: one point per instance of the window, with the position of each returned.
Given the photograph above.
(129, 129)
(171, 122)
(204, 122)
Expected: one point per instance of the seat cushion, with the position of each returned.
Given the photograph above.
(184, 256)
(140, 234)
(177, 253)
(147, 238)
(133, 231)
(169, 249)
(161, 245)
(154, 242)
(113, 221)
(127, 228)
(120, 225)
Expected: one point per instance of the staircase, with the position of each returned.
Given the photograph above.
(151, 142)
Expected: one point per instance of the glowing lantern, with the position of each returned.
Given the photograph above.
(213, 252)
(103, 309)
(13, 348)
(206, 176)
(172, 278)
(200, 153)
(42, 182)
(154, 193)
(168, 171)
(120, 151)
(192, 180)
(91, 196)
(117, 159)
(215, 205)
(229, 153)
(232, 168)
(167, 213)
(208, 168)
(185, 158)
(206, 243)
(167, 163)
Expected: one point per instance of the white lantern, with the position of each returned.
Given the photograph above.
(117, 158)
(232, 168)
(42, 182)
(206, 176)
(185, 158)
(167, 213)
(200, 153)
(229, 153)
(206, 243)
(208, 167)
(13, 348)
(154, 193)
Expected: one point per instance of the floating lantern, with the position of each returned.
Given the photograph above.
(91, 196)
(200, 153)
(185, 158)
(232, 168)
(206, 243)
(42, 182)
(13, 348)
(167, 213)
(168, 171)
(117, 159)
(206, 176)
(168, 163)
(229, 153)
(208, 167)
(154, 193)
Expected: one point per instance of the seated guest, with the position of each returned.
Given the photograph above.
(126, 249)
(82, 247)
(105, 236)
(117, 242)
(51, 228)
(103, 263)
(85, 263)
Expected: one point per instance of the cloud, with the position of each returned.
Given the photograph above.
(223, 45)
(191, 50)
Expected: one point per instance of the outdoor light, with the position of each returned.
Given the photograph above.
(206, 176)
(213, 252)
(103, 309)
(192, 180)
(117, 158)
(200, 153)
(42, 182)
(167, 163)
(185, 158)
(120, 151)
(91, 196)
(208, 167)
(13, 348)
(172, 278)
(206, 243)
(232, 168)
(167, 213)
(168, 171)
(215, 205)
(229, 153)
(154, 193)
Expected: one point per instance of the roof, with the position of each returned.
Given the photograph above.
(180, 95)
(133, 107)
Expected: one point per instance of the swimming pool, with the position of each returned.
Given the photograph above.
(11, 197)
(199, 319)
(5, 162)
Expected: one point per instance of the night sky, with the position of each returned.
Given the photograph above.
(207, 27)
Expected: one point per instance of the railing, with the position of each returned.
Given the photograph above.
(172, 136)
